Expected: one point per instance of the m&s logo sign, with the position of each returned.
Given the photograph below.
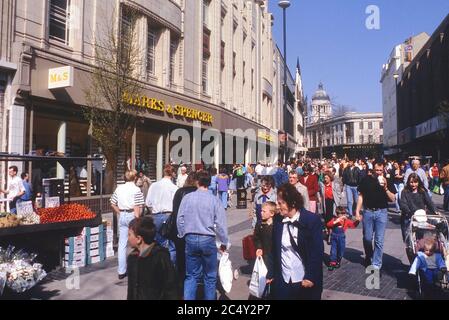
(60, 77)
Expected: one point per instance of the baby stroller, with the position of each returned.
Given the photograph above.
(435, 226)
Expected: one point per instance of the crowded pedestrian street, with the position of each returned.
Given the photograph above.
(224, 150)
(99, 282)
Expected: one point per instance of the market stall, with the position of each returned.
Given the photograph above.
(41, 226)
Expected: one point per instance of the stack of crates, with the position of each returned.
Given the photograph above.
(92, 246)
(75, 252)
(109, 236)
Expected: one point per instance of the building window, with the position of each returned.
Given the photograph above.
(204, 75)
(173, 50)
(206, 12)
(59, 21)
(381, 138)
(381, 125)
(222, 54)
(151, 50)
(370, 139)
(361, 125)
(252, 79)
(370, 125)
(234, 70)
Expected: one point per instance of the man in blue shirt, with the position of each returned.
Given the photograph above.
(200, 225)
(28, 195)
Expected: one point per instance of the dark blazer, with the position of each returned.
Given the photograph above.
(311, 251)
(151, 277)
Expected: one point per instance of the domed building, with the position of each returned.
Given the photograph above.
(321, 105)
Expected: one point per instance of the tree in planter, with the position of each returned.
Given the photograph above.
(113, 82)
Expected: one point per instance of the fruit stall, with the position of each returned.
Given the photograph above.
(32, 242)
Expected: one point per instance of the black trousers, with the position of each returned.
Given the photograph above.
(294, 291)
(180, 247)
(329, 210)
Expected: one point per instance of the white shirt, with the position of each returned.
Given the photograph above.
(160, 196)
(291, 262)
(259, 169)
(127, 196)
(337, 168)
(15, 186)
(181, 180)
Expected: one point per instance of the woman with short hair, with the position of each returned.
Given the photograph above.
(298, 249)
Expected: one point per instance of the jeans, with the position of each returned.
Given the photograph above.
(338, 246)
(213, 191)
(399, 188)
(352, 196)
(201, 265)
(374, 225)
(124, 220)
(446, 198)
(159, 219)
(223, 195)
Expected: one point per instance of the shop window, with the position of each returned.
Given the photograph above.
(59, 21)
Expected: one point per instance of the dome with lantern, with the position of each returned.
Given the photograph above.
(321, 104)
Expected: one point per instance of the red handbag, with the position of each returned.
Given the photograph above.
(249, 249)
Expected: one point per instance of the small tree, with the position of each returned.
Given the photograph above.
(118, 62)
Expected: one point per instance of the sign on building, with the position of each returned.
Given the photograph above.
(60, 77)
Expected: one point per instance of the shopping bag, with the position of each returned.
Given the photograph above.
(436, 190)
(258, 278)
(225, 272)
(249, 249)
(441, 189)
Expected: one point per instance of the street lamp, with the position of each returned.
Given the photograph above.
(284, 4)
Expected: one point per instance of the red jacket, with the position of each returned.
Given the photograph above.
(312, 186)
(347, 224)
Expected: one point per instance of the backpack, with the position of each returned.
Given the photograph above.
(239, 172)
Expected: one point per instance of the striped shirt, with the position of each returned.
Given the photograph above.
(127, 196)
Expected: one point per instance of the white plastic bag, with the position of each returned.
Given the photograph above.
(442, 189)
(225, 272)
(258, 278)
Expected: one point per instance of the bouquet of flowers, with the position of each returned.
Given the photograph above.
(18, 270)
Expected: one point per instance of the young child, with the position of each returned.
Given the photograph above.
(263, 233)
(429, 262)
(151, 274)
(339, 225)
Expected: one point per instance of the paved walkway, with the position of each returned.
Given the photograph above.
(99, 282)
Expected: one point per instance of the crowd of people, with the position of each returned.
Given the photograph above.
(295, 207)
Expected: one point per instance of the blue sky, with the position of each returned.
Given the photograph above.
(335, 47)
